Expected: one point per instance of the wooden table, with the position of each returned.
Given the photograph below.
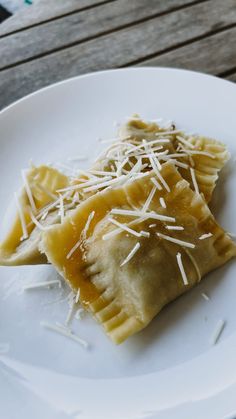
(57, 39)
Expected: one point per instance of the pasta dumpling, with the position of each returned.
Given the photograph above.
(204, 155)
(134, 249)
(20, 246)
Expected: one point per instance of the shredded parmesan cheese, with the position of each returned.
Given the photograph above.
(143, 214)
(158, 174)
(195, 185)
(205, 296)
(177, 131)
(84, 184)
(162, 202)
(74, 248)
(145, 234)
(87, 225)
(157, 184)
(205, 236)
(217, 332)
(102, 173)
(43, 284)
(77, 297)
(123, 227)
(181, 268)
(186, 142)
(131, 254)
(36, 222)
(70, 315)
(177, 241)
(104, 184)
(29, 193)
(149, 199)
(174, 228)
(62, 209)
(64, 332)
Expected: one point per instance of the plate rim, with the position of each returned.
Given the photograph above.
(113, 70)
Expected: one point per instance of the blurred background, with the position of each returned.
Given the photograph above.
(45, 41)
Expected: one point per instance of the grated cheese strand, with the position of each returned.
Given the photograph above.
(158, 174)
(61, 208)
(217, 332)
(177, 131)
(105, 184)
(87, 225)
(64, 332)
(123, 227)
(205, 236)
(174, 228)
(205, 296)
(162, 202)
(37, 223)
(143, 214)
(176, 241)
(131, 254)
(145, 234)
(74, 248)
(77, 297)
(118, 230)
(28, 191)
(195, 185)
(42, 284)
(175, 162)
(84, 184)
(22, 218)
(70, 315)
(157, 184)
(181, 268)
(149, 143)
(149, 199)
(184, 141)
(102, 173)
(121, 166)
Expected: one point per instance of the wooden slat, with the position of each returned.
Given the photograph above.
(117, 49)
(43, 10)
(232, 77)
(215, 54)
(78, 27)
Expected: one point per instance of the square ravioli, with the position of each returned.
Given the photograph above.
(133, 249)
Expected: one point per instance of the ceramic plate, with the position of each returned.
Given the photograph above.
(169, 370)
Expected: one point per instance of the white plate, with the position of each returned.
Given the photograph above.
(169, 370)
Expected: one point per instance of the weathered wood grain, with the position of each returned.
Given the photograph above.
(118, 49)
(43, 10)
(79, 27)
(232, 77)
(215, 54)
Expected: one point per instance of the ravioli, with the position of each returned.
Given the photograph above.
(21, 247)
(205, 155)
(126, 276)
